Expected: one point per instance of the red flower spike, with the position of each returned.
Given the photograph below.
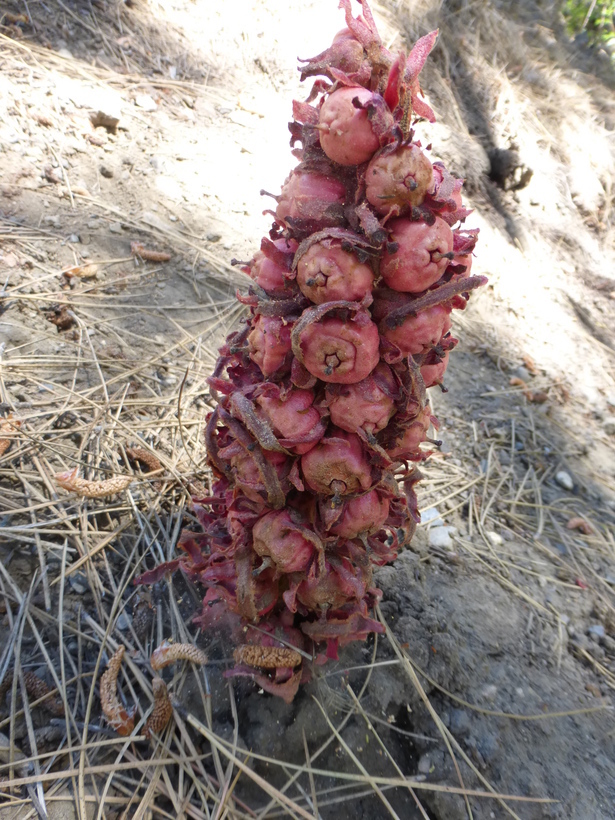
(320, 399)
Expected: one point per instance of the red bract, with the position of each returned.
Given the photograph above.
(347, 134)
(269, 343)
(423, 252)
(337, 465)
(363, 514)
(327, 273)
(294, 419)
(337, 350)
(367, 405)
(421, 332)
(311, 196)
(320, 398)
(398, 179)
(434, 373)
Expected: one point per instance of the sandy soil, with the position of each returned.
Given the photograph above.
(501, 614)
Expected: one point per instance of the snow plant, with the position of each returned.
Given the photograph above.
(321, 407)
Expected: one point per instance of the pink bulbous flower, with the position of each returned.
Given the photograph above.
(417, 334)
(337, 465)
(334, 587)
(343, 352)
(415, 433)
(421, 257)
(269, 343)
(327, 273)
(267, 273)
(434, 373)
(398, 181)
(308, 195)
(368, 404)
(293, 418)
(346, 132)
(278, 537)
(248, 478)
(363, 514)
(345, 54)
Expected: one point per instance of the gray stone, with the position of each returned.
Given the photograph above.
(440, 538)
(564, 480)
(608, 425)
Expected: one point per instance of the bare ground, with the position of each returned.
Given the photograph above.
(497, 672)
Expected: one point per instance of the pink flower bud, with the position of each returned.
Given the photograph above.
(419, 333)
(279, 538)
(363, 514)
(420, 259)
(269, 343)
(397, 181)
(327, 273)
(346, 132)
(368, 404)
(344, 352)
(294, 418)
(337, 465)
(269, 274)
(307, 195)
(416, 432)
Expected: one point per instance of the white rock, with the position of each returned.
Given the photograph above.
(431, 517)
(564, 480)
(146, 102)
(440, 537)
(495, 539)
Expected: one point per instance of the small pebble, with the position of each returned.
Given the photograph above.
(564, 480)
(489, 692)
(74, 238)
(146, 102)
(123, 621)
(431, 517)
(596, 629)
(115, 227)
(495, 539)
(106, 172)
(78, 583)
(424, 766)
(608, 425)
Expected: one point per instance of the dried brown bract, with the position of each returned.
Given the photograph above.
(85, 271)
(168, 653)
(8, 428)
(72, 481)
(119, 718)
(580, 524)
(10, 18)
(162, 711)
(267, 657)
(60, 317)
(144, 457)
(138, 249)
(37, 689)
